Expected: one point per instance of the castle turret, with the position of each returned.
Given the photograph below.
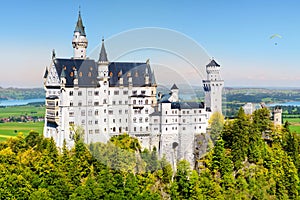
(175, 93)
(213, 87)
(79, 41)
(102, 63)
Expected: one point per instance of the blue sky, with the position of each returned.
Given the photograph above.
(236, 33)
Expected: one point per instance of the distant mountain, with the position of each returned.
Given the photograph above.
(21, 93)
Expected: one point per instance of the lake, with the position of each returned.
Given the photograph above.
(292, 103)
(14, 102)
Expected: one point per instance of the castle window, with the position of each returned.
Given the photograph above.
(147, 128)
(166, 112)
(120, 112)
(195, 111)
(199, 119)
(155, 120)
(96, 121)
(96, 112)
(71, 123)
(79, 103)
(90, 131)
(134, 129)
(199, 111)
(104, 110)
(126, 129)
(71, 93)
(90, 102)
(116, 92)
(114, 121)
(71, 114)
(83, 113)
(82, 122)
(166, 129)
(97, 131)
(143, 92)
(134, 119)
(71, 103)
(90, 122)
(141, 128)
(114, 102)
(104, 119)
(134, 101)
(126, 111)
(199, 127)
(195, 127)
(141, 120)
(120, 120)
(96, 103)
(125, 92)
(96, 93)
(146, 119)
(90, 93)
(183, 128)
(195, 120)
(146, 111)
(79, 93)
(104, 101)
(183, 112)
(110, 112)
(187, 112)
(134, 92)
(146, 102)
(104, 129)
(166, 121)
(183, 120)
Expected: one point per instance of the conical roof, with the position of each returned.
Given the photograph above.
(79, 26)
(174, 87)
(213, 63)
(103, 55)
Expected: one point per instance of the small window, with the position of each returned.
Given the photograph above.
(71, 93)
(125, 92)
(116, 92)
(96, 93)
(96, 112)
(97, 131)
(134, 129)
(79, 103)
(141, 128)
(90, 93)
(83, 113)
(79, 93)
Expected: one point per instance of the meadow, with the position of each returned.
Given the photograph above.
(12, 129)
(294, 124)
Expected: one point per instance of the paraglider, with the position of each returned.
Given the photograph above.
(275, 36)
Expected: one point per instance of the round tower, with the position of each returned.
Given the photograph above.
(79, 41)
(213, 87)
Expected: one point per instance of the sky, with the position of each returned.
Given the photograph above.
(179, 38)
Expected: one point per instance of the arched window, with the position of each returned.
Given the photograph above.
(146, 101)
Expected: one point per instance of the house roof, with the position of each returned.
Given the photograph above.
(213, 63)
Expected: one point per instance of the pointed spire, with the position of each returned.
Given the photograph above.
(103, 55)
(79, 26)
(63, 75)
(213, 63)
(153, 81)
(46, 72)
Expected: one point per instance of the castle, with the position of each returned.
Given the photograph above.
(107, 98)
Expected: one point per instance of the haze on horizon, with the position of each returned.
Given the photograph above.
(236, 33)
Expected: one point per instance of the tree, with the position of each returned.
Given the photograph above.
(216, 122)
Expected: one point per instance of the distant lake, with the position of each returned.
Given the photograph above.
(293, 103)
(14, 102)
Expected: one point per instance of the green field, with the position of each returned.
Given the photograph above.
(12, 129)
(294, 124)
(17, 111)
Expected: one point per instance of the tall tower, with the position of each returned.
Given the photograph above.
(103, 63)
(213, 87)
(79, 41)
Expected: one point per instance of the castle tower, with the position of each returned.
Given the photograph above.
(79, 41)
(213, 87)
(102, 63)
(277, 116)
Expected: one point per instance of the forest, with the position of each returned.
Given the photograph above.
(250, 159)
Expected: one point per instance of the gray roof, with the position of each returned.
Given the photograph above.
(156, 113)
(186, 105)
(174, 87)
(103, 55)
(79, 26)
(213, 63)
(87, 72)
(125, 69)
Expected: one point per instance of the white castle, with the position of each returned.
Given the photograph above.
(111, 98)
